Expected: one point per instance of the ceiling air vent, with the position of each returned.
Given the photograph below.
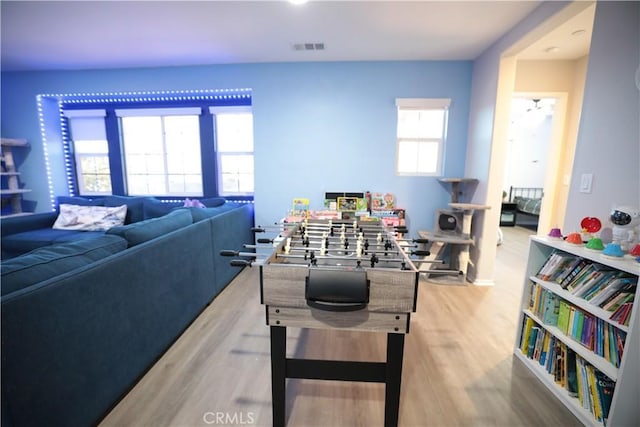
(308, 46)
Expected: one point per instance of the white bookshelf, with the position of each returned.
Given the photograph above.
(625, 406)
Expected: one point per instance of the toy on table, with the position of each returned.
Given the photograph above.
(590, 226)
(574, 238)
(625, 220)
(555, 233)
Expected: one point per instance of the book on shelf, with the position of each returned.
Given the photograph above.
(555, 265)
(544, 303)
(618, 300)
(582, 276)
(533, 336)
(563, 316)
(567, 270)
(575, 271)
(605, 387)
(623, 314)
(526, 332)
(551, 308)
(572, 376)
(613, 288)
(600, 283)
(597, 273)
(596, 409)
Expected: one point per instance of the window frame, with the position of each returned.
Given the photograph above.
(162, 114)
(215, 111)
(153, 100)
(423, 104)
(97, 134)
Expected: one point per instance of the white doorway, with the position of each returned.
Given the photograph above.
(527, 155)
(533, 157)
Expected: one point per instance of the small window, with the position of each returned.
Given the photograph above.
(91, 151)
(234, 149)
(421, 136)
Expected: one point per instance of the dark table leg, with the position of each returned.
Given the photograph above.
(395, 349)
(278, 373)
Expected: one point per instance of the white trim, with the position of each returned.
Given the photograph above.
(141, 112)
(85, 113)
(423, 103)
(230, 109)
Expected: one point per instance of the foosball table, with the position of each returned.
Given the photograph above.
(326, 274)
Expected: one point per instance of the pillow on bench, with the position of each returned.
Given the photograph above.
(51, 261)
(89, 218)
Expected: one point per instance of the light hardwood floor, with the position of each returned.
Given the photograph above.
(458, 364)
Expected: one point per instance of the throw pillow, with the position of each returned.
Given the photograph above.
(89, 218)
(195, 203)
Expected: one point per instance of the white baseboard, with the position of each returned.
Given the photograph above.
(484, 282)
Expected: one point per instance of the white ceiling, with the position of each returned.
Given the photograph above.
(53, 35)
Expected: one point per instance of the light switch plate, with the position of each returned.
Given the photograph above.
(585, 182)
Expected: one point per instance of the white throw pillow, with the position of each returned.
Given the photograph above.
(89, 218)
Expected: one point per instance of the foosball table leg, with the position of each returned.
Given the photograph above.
(278, 374)
(395, 351)
(390, 374)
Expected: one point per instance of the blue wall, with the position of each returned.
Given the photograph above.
(318, 126)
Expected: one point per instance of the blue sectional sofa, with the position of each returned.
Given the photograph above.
(84, 319)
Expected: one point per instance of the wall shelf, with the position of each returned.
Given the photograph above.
(11, 191)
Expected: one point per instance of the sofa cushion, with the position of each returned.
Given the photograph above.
(27, 241)
(89, 218)
(148, 229)
(52, 261)
(199, 214)
(135, 206)
(80, 201)
(155, 208)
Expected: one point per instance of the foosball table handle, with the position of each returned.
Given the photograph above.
(229, 253)
(240, 263)
(421, 253)
(265, 240)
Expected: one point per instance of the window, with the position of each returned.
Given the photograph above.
(421, 136)
(234, 148)
(161, 151)
(90, 150)
(167, 144)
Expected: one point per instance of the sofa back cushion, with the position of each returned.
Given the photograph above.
(135, 206)
(154, 208)
(199, 214)
(51, 261)
(148, 229)
(80, 201)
